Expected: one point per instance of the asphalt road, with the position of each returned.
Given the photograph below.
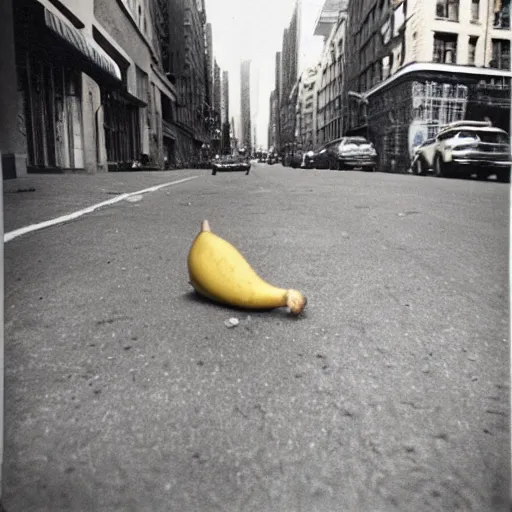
(124, 391)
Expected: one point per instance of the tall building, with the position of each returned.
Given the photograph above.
(272, 123)
(217, 90)
(306, 97)
(225, 127)
(225, 97)
(245, 98)
(186, 67)
(288, 79)
(88, 87)
(413, 67)
(209, 62)
(328, 115)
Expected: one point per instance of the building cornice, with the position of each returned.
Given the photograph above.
(419, 67)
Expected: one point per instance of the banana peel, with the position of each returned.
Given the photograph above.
(220, 273)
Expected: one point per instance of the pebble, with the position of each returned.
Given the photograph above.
(231, 322)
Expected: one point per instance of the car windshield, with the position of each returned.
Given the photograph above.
(356, 141)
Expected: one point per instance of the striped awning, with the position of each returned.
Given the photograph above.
(87, 47)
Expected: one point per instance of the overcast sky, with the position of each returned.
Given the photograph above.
(253, 29)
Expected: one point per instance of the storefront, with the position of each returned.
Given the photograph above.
(51, 56)
(421, 99)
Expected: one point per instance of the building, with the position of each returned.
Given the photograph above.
(186, 68)
(277, 105)
(225, 98)
(306, 97)
(89, 83)
(209, 63)
(415, 66)
(272, 124)
(226, 136)
(329, 85)
(288, 79)
(245, 98)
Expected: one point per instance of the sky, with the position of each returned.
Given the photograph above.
(253, 29)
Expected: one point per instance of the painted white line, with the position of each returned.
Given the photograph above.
(11, 235)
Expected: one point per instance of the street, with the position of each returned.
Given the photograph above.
(125, 391)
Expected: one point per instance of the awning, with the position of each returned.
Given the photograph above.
(87, 47)
(168, 130)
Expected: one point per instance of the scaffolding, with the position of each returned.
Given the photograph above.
(430, 103)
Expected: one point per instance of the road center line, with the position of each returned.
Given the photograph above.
(75, 215)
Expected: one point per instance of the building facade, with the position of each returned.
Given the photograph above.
(272, 142)
(187, 69)
(89, 83)
(330, 78)
(441, 61)
(306, 97)
(288, 80)
(245, 99)
(225, 126)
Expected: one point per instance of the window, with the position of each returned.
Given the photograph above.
(502, 14)
(472, 50)
(475, 10)
(445, 48)
(500, 54)
(448, 9)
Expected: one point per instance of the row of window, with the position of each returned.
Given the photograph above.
(445, 50)
(449, 10)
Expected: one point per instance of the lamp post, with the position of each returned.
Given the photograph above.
(362, 99)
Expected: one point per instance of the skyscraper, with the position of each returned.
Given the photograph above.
(225, 98)
(245, 96)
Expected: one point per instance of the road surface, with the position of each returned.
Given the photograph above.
(125, 391)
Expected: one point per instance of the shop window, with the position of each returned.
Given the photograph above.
(445, 48)
(501, 54)
(122, 128)
(472, 50)
(448, 9)
(53, 114)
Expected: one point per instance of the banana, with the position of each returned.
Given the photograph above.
(220, 273)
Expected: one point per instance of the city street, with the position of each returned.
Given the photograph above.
(124, 391)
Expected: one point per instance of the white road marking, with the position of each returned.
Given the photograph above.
(11, 235)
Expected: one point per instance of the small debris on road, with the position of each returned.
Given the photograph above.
(134, 199)
(231, 322)
(425, 369)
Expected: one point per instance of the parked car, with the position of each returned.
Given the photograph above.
(467, 147)
(308, 160)
(230, 163)
(272, 159)
(422, 154)
(347, 153)
(295, 160)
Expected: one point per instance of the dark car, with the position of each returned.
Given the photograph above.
(230, 163)
(295, 159)
(347, 153)
(272, 159)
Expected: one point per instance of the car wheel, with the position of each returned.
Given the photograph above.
(419, 167)
(439, 167)
(503, 176)
(214, 172)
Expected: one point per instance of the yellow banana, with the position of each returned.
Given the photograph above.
(219, 272)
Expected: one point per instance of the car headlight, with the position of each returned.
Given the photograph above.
(310, 154)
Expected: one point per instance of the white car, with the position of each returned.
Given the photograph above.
(464, 148)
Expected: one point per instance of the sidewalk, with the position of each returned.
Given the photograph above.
(39, 197)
